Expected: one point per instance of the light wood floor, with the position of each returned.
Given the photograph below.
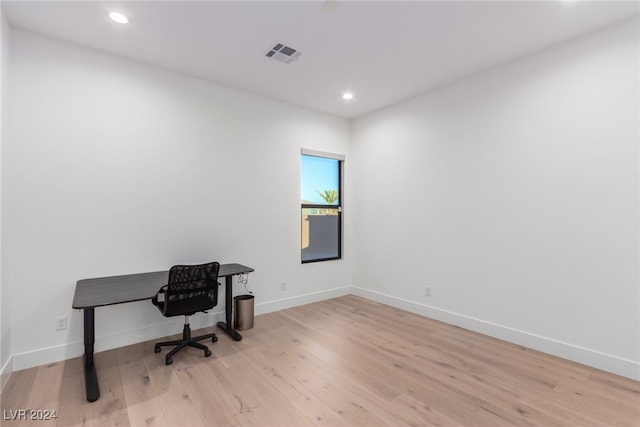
(345, 361)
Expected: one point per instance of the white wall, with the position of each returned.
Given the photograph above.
(114, 167)
(514, 195)
(5, 331)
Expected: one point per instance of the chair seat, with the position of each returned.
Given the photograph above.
(184, 307)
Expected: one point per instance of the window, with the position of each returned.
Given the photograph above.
(321, 206)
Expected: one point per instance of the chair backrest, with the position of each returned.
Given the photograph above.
(191, 288)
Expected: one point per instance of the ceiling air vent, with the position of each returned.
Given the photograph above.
(283, 53)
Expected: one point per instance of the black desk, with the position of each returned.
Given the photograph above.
(92, 293)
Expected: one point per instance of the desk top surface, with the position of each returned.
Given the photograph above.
(132, 287)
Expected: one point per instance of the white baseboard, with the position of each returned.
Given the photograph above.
(107, 342)
(606, 362)
(281, 304)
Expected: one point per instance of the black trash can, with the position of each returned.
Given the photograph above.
(243, 318)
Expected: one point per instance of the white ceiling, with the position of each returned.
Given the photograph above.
(382, 51)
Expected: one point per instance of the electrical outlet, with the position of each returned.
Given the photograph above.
(283, 286)
(427, 291)
(61, 323)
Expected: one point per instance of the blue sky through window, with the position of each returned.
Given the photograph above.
(318, 174)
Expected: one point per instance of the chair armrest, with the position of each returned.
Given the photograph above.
(163, 291)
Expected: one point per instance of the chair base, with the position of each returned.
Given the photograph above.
(186, 341)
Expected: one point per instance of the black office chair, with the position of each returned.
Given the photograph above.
(191, 288)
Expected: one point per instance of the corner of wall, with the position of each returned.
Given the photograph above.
(5, 335)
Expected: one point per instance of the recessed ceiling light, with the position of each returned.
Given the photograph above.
(347, 96)
(118, 17)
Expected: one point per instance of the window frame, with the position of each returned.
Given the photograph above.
(339, 206)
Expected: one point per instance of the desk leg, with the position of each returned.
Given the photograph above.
(90, 375)
(228, 308)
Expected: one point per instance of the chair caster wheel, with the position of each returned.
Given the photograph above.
(214, 338)
(168, 361)
(156, 349)
(207, 353)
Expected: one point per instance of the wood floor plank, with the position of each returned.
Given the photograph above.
(15, 396)
(142, 397)
(419, 413)
(185, 398)
(267, 398)
(346, 361)
(111, 408)
(43, 402)
(74, 407)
